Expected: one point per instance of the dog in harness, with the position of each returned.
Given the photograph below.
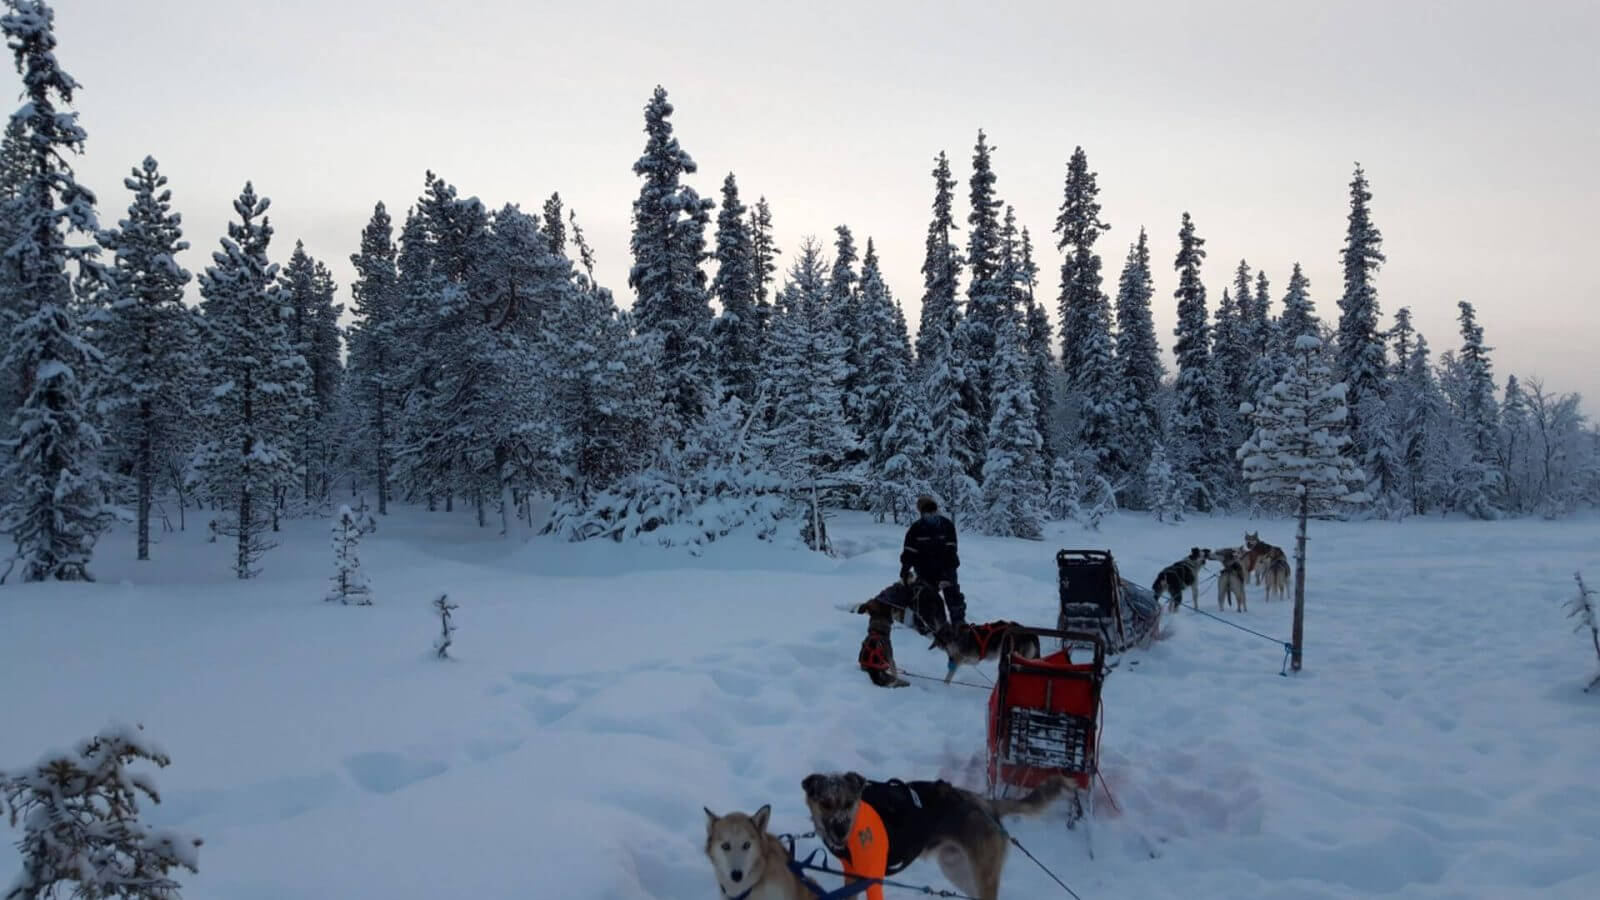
(972, 644)
(877, 828)
(877, 655)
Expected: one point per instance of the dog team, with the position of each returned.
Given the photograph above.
(1267, 563)
(877, 828)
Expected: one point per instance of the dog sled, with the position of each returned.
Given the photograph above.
(1044, 718)
(1096, 599)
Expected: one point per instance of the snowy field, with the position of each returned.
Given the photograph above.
(1436, 745)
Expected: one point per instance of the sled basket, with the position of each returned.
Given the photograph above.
(1044, 714)
(1096, 599)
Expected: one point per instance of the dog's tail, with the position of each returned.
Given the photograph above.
(1034, 803)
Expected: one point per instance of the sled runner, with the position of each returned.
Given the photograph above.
(1095, 599)
(1044, 718)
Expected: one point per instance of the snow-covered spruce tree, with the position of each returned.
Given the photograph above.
(375, 351)
(604, 397)
(1582, 608)
(1203, 456)
(809, 440)
(941, 269)
(14, 155)
(1297, 454)
(1361, 363)
(669, 221)
(736, 334)
(1513, 446)
(977, 334)
(1011, 468)
(1426, 423)
(944, 383)
(1062, 491)
(902, 462)
(1139, 359)
(881, 387)
(1234, 340)
(497, 421)
(435, 255)
(349, 581)
(258, 384)
(765, 252)
(1041, 353)
(844, 305)
(1299, 317)
(307, 290)
(149, 344)
(553, 227)
(1165, 498)
(79, 814)
(56, 505)
(1077, 228)
(1478, 488)
(1098, 398)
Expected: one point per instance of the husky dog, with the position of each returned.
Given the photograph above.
(878, 828)
(1258, 552)
(1230, 582)
(1185, 573)
(972, 644)
(917, 604)
(750, 863)
(1278, 579)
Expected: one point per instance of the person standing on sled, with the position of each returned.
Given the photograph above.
(930, 552)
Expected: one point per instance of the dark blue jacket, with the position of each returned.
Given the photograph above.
(930, 549)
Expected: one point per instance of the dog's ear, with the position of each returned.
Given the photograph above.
(856, 781)
(810, 784)
(711, 817)
(761, 817)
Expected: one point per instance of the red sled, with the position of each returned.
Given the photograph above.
(1044, 717)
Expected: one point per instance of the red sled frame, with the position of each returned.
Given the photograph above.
(1045, 716)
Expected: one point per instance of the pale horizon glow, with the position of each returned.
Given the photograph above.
(1475, 122)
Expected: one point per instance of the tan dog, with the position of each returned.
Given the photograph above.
(1257, 552)
(1278, 579)
(752, 864)
(1230, 581)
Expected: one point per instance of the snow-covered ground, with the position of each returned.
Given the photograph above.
(1437, 743)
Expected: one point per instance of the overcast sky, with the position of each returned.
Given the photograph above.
(1477, 122)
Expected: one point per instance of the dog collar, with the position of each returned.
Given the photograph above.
(747, 892)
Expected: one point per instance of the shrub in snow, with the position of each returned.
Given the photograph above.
(688, 497)
(79, 813)
(349, 582)
(1582, 608)
(1061, 495)
(443, 606)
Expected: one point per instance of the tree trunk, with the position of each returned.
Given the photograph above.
(146, 479)
(383, 459)
(508, 495)
(244, 533)
(1297, 639)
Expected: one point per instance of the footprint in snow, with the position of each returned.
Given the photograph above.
(381, 772)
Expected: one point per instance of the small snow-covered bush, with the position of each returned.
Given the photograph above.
(1582, 608)
(79, 813)
(443, 607)
(349, 581)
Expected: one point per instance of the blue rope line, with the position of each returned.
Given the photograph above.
(1288, 648)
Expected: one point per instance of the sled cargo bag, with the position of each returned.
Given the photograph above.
(1044, 715)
